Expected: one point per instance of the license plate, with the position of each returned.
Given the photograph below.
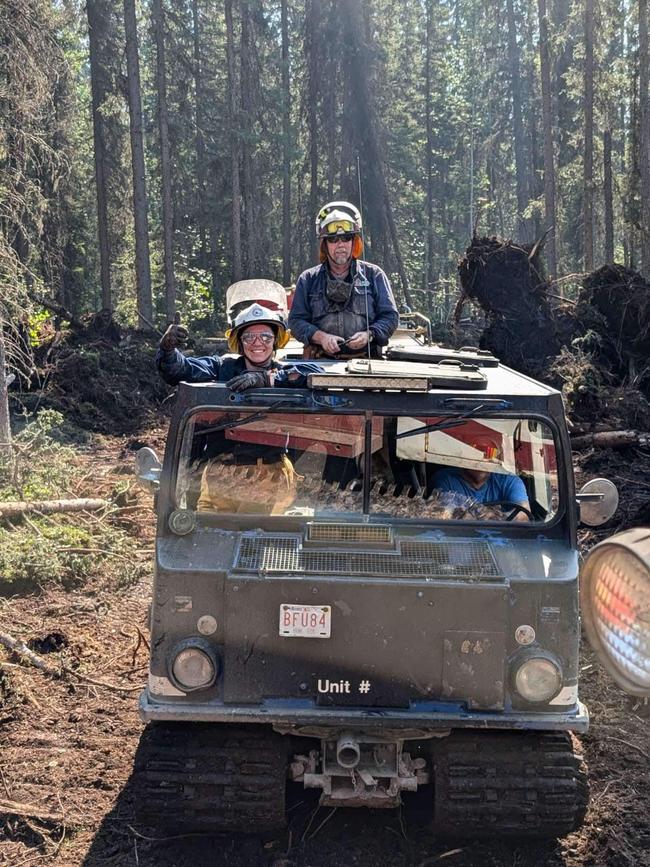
(305, 621)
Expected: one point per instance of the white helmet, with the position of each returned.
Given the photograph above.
(254, 315)
(338, 218)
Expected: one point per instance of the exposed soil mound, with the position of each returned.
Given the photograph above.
(103, 382)
(507, 280)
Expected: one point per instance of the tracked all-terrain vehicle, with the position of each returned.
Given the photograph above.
(333, 608)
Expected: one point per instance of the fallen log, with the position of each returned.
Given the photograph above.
(48, 507)
(611, 439)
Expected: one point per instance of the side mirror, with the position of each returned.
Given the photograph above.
(615, 605)
(598, 500)
(147, 469)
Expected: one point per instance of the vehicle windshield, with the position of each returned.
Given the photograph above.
(429, 468)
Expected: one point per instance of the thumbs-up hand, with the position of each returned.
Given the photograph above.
(175, 336)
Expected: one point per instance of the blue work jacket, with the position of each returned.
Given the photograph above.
(311, 311)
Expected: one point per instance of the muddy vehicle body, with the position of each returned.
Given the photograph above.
(324, 613)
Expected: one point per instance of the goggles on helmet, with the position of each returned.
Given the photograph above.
(339, 227)
(257, 314)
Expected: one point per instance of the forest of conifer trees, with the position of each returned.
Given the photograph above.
(152, 153)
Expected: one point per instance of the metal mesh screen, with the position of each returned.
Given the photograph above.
(349, 533)
(284, 555)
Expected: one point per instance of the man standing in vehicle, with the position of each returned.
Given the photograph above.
(343, 307)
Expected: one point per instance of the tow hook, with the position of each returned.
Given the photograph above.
(354, 771)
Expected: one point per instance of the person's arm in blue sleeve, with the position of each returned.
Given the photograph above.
(387, 317)
(174, 367)
(514, 490)
(295, 375)
(300, 314)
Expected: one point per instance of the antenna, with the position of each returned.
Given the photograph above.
(365, 294)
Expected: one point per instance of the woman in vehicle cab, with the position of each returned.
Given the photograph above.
(255, 335)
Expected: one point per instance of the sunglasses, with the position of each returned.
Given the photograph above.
(267, 338)
(334, 239)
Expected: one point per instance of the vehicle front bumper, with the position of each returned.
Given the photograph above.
(421, 715)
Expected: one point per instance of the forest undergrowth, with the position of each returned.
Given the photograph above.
(62, 550)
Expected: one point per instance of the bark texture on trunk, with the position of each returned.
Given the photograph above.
(233, 91)
(140, 217)
(644, 135)
(286, 148)
(523, 225)
(608, 196)
(97, 26)
(165, 160)
(588, 164)
(547, 123)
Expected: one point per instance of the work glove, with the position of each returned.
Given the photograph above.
(175, 336)
(250, 379)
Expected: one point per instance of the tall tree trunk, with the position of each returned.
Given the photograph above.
(286, 148)
(5, 426)
(97, 28)
(588, 164)
(549, 163)
(523, 225)
(644, 136)
(608, 196)
(366, 123)
(249, 87)
(199, 140)
(140, 218)
(312, 45)
(428, 260)
(165, 161)
(234, 144)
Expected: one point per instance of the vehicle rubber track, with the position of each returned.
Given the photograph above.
(528, 784)
(198, 777)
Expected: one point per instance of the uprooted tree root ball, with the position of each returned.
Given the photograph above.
(592, 349)
(508, 282)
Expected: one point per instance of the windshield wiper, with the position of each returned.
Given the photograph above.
(455, 420)
(237, 422)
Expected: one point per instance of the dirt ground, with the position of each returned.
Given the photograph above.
(67, 747)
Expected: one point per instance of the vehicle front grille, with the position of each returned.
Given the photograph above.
(284, 555)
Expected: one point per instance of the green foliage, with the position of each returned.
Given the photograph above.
(64, 549)
(41, 467)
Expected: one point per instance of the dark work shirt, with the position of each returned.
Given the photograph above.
(371, 295)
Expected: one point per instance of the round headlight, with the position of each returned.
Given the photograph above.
(615, 602)
(538, 679)
(193, 668)
(182, 522)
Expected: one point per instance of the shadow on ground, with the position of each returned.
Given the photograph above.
(315, 837)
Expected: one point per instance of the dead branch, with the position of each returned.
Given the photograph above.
(612, 439)
(48, 507)
(21, 649)
(15, 808)
(34, 659)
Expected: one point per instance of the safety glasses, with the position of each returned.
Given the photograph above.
(334, 239)
(338, 226)
(266, 338)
